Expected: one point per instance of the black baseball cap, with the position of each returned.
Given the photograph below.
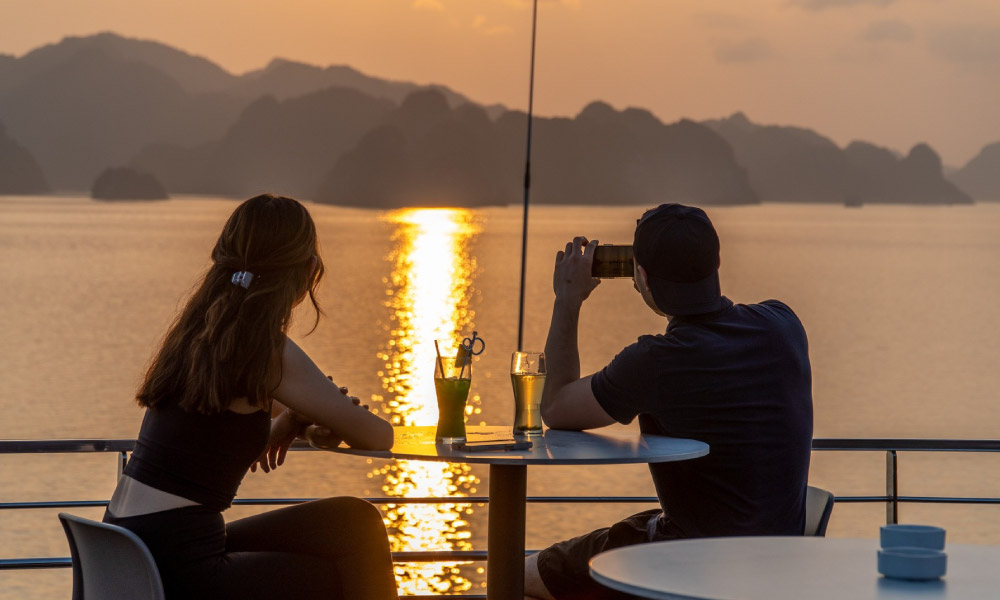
(679, 249)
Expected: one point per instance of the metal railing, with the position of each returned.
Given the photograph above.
(892, 498)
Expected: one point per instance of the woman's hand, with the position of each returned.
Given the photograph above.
(284, 429)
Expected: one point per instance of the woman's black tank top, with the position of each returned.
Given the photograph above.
(196, 456)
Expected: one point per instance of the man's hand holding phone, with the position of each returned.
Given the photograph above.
(571, 280)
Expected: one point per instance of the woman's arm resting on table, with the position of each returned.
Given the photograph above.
(286, 425)
(307, 391)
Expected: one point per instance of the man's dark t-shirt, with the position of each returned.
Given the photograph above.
(739, 380)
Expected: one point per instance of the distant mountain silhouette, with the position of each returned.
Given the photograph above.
(283, 147)
(604, 156)
(87, 102)
(792, 164)
(286, 79)
(8, 69)
(429, 154)
(193, 73)
(93, 109)
(124, 183)
(425, 154)
(19, 172)
(345, 137)
(980, 177)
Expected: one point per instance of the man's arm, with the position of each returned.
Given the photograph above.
(567, 400)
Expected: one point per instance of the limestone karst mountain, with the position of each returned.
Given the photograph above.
(91, 108)
(606, 156)
(124, 183)
(426, 154)
(980, 177)
(792, 164)
(338, 135)
(429, 154)
(19, 171)
(87, 102)
(278, 146)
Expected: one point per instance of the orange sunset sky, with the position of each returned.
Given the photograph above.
(893, 72)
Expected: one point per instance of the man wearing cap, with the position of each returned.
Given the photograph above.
(735, 376)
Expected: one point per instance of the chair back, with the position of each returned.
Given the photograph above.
(110, 562)
(819, 505)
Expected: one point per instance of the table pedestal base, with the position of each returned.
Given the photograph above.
(505, 544)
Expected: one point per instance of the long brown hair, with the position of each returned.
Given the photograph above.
(227, 342)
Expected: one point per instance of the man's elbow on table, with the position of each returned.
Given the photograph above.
(574, 407)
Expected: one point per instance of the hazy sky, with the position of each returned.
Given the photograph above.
(893, 72)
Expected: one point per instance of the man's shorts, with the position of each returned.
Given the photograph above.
(564, 567)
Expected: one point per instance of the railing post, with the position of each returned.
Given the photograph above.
(122, 461)
(891, 489)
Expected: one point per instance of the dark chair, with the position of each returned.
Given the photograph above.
(819, 505)
(110, 562)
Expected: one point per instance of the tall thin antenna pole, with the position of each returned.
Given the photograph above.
(527, 181)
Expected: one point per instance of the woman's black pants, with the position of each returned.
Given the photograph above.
(331, 549)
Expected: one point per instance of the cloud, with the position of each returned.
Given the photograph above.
(887, 31)
(749, 50)
(818, 5)
(966, 44)
(434, 5)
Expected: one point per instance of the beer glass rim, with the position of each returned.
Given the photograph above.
(525, 354)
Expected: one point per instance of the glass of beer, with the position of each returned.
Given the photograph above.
(452, 379)
(527, 375)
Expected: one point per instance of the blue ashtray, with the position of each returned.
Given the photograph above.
(912, 536)
(912, 563)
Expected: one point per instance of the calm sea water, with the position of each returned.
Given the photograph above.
(898, 302)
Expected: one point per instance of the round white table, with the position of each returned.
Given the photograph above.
(508, 479)
(786, 568)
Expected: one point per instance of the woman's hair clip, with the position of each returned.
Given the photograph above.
(242, 279)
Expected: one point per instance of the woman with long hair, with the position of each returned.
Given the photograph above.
(228, 391)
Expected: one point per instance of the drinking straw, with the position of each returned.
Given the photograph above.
(437, 349)
(468, 357)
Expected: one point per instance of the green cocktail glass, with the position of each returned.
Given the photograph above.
(452, 379)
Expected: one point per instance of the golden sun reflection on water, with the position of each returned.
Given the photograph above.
(429, 294)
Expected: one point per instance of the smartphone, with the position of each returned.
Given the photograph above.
(491, 445)
(611, 261)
